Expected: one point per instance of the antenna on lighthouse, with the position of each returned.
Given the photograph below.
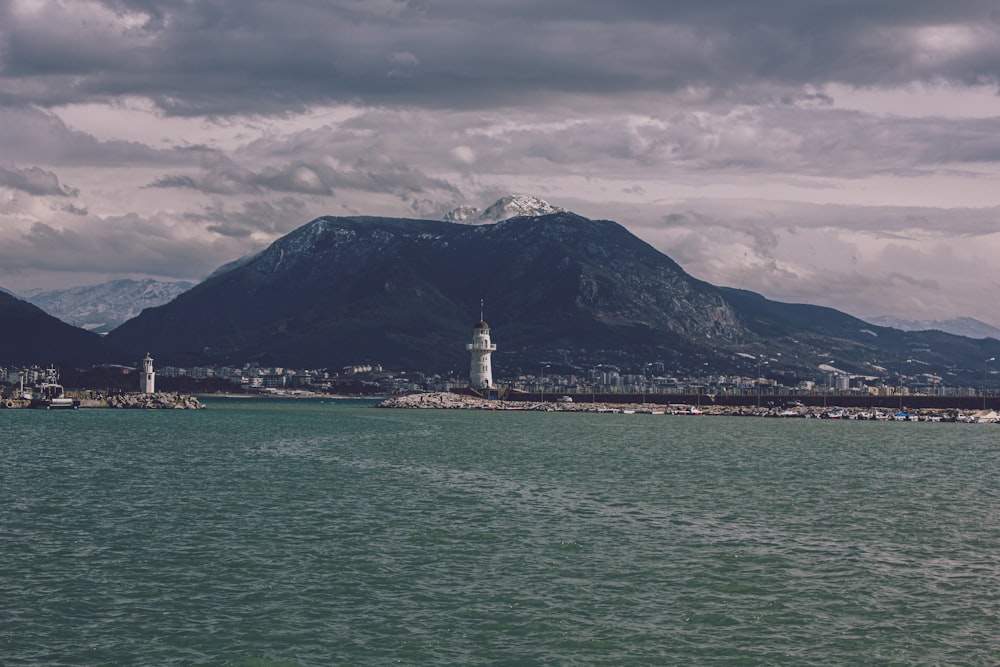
(482, 307)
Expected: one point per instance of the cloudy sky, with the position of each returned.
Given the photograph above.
(838, 152)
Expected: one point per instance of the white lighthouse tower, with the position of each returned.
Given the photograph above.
(148, 377)
(480, 349)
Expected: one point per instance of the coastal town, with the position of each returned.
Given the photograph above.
(545, 382)
(649, 389)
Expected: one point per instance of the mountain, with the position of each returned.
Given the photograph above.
(511, 206)
(559, 288)
(236, 263)
(404, 293)
(29, 335)
(960, 326)
(101, 308)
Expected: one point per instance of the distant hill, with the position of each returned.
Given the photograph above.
(101, 308)
(29, 335)
(853, 345)
(559, 288)
(960, 326)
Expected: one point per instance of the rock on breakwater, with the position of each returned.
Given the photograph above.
(434, 400)
(137, 401)
(450, 401)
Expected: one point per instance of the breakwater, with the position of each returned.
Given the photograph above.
(467, 401)
(121, 401)
(817, 400)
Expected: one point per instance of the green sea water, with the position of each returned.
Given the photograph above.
(301, 532)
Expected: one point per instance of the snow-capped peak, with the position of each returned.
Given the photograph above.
(511, 206)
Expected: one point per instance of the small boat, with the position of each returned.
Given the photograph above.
(51, 396)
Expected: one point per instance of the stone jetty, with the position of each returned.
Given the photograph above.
(452, 401)
(123, 401)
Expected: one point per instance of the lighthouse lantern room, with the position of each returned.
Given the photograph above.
(480, 349)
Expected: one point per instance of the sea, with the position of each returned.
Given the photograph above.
(263, 532)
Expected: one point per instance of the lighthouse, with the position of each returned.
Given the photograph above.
(480, 349)
(148, 377)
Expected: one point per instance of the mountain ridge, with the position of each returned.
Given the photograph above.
(401, 292)
(959, 326)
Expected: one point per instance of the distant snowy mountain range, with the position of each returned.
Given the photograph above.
(959, 326)
(101, 308)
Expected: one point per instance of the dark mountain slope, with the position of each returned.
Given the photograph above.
(855, 345)
(28, 335)
(582, 282)
(323, 294)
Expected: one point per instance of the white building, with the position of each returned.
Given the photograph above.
(480, 349)
(147, 380)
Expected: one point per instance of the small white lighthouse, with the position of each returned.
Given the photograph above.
(480, 349)
(148, 377)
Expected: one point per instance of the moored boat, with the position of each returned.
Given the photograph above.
(51, 396)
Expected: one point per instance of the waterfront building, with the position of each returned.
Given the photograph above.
(480, 349)
(147, 379)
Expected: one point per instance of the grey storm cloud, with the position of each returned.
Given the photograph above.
(251, 218)
(371, 175)
(762, 144)
(219, 57)
(761, 220)
(775, 139)
(129, 244)
(35, 181)
(29, 135)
